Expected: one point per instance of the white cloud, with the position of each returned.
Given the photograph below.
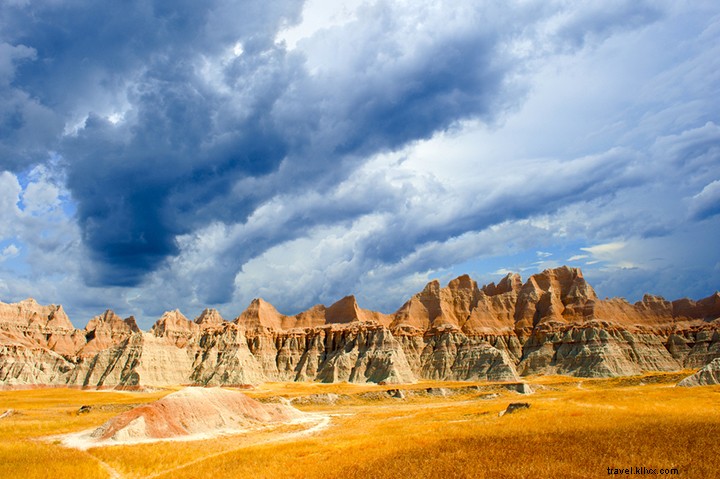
(8, 252)
(503, 271)
(604, 250)
(9, 191)
(706, 203)
(318, 15)
(49, 269)
(10, 55)
(614, 255)
(40, 196)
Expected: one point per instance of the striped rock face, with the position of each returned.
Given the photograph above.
(553, 323)
(707, 376)
(193, 412)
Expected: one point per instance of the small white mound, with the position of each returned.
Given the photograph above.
(189, 414)
(707, 376)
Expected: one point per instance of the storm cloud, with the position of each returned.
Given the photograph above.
(195, 153)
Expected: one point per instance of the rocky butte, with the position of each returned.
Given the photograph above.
(553, 323)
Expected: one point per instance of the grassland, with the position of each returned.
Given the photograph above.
(574, 428)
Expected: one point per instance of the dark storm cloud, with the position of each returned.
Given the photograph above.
(333, 119)
(26, 126)
(208, 136)
(138, 183)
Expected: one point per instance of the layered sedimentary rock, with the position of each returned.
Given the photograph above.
(709, 375)
(46, 326)
(24, 364)
(105, 331)
(553, 323)
(188, 413)
(37, 343)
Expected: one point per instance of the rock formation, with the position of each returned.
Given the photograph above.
(190, 412)
(553, 323)
(707, 376)
(105, 331)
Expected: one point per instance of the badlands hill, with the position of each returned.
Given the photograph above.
(706, 376)
(553, 323)
(191, 413)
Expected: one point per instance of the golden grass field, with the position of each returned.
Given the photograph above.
(575, 428)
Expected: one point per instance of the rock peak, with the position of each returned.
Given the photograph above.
(132, 324)
(111, 321)
(433, 287)
(209, 317)
(260, 315)
(350, 298)
(462, 282)
(108, 316)
(173, 324)
(511, 283)
(345, 310)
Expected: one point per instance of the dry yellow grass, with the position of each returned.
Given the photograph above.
(44, 412)
(574, 428)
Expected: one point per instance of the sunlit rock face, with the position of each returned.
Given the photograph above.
(105, 331)
(553, 323)
(708, 375)
(199, 412)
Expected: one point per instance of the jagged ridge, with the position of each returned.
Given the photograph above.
(554, 323)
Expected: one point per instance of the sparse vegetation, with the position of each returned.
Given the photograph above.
(574, 428)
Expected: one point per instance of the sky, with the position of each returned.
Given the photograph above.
(178, 154)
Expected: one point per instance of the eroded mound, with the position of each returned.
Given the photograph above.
(193, 412)
(707, 376)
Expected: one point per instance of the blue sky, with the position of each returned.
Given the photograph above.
(158, 154)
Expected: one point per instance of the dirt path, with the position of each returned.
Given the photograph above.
(112, 472)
